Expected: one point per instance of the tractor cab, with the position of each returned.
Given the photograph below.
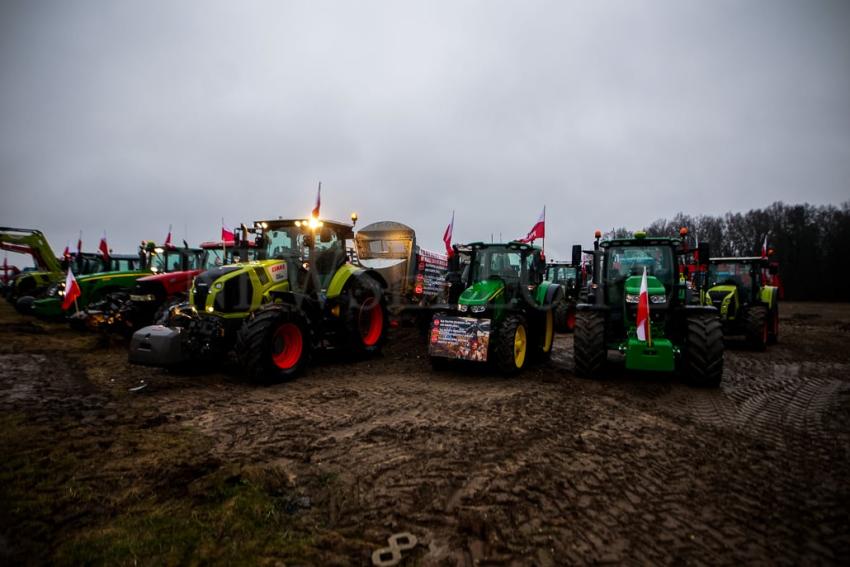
(498, 274)
(166, 260)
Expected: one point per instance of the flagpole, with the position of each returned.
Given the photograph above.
(544, 232)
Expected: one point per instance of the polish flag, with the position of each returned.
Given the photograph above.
(72, 290)
(764, 247)
(447, 236)
(318, 202)
(67, 252)
(643, 311)
(104, 247)
(538, 230)
(168, 238)
(226, 235)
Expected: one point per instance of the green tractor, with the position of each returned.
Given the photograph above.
(683, 336)
(302, 295)
(747, 306)
(47, 270)
(504, 314)
(570, 276)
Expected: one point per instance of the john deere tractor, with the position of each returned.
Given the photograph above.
(570, 277)
(746, 304)
(683, 335)
(504, 315)
(301, 295)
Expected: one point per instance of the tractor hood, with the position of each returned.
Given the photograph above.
(482, 293)
(110, 275)
(169, 276)
(653, 286)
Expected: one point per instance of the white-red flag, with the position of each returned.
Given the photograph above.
(764, 247)
(226, 236)
(643, 311)
(168, 238)
(104, 247)
(72, 290)
(318, 202)
(66, 253)
(447, 236)
(538, 230)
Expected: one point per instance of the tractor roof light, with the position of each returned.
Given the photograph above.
(597, 234)
(314, 223)
(683, 232)
(641, 234)
(298, 223)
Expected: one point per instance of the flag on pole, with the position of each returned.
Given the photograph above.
(66, 253)
(72, 290)
(318, 202)
(643, 328)
(104, 247)
(168, 238)
(447, 236)
(538, 230)
(226, 235)
(764, 247)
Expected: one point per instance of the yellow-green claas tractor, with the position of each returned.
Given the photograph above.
(300, 295)
(748, 306)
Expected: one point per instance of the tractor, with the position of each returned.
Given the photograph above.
(748, 306)
(47, 270)
(300, 296)
(571, 277)
(504, 314)
(683, 335)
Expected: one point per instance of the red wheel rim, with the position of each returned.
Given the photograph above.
(371, 321)
(287, 346)
(571, 320)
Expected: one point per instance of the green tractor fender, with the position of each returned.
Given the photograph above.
(548, 293)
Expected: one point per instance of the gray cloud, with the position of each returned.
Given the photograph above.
(130, 116)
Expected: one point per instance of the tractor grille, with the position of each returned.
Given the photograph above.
(204, 282)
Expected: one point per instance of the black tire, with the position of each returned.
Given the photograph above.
(589, 349)
(562, 311)
(261, 344)
(366, 319)
(702, 352)
(773, 327)
(502, 343)
(24, 304)
(543, 351)
(756, 327)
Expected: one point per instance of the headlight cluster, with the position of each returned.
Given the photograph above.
(479, 308)
(462, 308)
(657, 299)
(53, 290)
(634, 298)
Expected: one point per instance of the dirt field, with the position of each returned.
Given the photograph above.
(541, 469)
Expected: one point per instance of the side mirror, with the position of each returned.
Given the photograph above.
(704, 250)
(576, 260)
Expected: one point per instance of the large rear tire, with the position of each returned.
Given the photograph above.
(273, 344)
(366, 318)
(545, 336)
(562, 312)
(509, 345)
(702, 353)
(756, 327)
(589, 349)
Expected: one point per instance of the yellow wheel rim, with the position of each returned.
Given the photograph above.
(550, 331)
(520, 346)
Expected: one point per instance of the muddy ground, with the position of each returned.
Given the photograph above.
(541, 469)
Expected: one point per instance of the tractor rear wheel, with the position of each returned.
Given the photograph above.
(544, 336)
(756, 327)
(589, 349)
(562, 313)
(773, 330)
(509, 345)
(366, 316)
(273, 344)
(702, 352)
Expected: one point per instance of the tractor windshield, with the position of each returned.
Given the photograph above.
(168, 261)
(509, 265)
(283, 242)
(731, 273)
(624, 261)
(561, 274)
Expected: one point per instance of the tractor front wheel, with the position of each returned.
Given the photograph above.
(273, 344)
(509, 346)
(756, 327)
(702, 356)
(366, 316)
(589, 349)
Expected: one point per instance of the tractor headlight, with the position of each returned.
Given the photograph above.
(632, 298)
(462, 308)
(218, 285)
(657, 298)
(53, 290)
(479, 308)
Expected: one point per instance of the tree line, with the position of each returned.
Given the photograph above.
(811, 243)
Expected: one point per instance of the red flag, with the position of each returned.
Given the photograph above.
(80, 244)
(72, 290)
(67, 252)
(104, 247)
(538, 230)
(168, 238)
(318, 202)
(447, 236)
(642, 319)
(226, 236)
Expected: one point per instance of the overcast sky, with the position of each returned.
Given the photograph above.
(129, 116)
